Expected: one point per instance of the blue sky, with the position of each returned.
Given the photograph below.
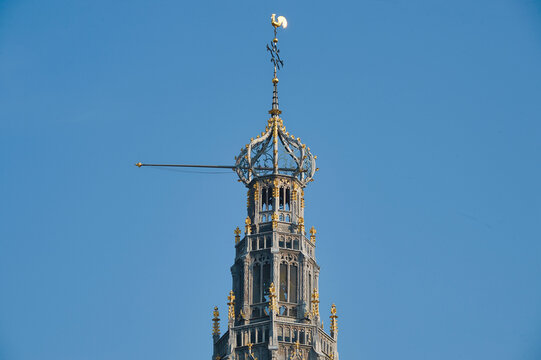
(425, 116)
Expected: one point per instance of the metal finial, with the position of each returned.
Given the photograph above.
(216, 322)
(237, 235)
(313, 235)
(334, 325)
(315, 303)
(231, 305)
(273, 305)
(248, 228)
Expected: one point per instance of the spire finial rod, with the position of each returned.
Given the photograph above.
(278, 63)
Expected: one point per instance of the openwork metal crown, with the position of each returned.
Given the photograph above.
(275, 151)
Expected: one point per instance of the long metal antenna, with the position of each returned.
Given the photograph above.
(189, 166)
(139, 164)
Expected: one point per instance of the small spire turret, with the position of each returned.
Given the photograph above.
(334, 325)
(216, 322)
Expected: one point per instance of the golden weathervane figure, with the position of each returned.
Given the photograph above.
(273, 48)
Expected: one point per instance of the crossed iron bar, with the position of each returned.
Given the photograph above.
(275, 55)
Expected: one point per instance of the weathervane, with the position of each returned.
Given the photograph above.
(273, 48)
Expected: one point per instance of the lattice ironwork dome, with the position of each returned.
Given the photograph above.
(275, 151)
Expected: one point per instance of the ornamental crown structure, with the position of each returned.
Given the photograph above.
(273, 307)
(275, 152)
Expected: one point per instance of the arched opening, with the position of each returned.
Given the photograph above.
(239, 339)
(283, 283)
(266, 282)
(288, 283)
(293, 283)
(256, 296)
(264, 199)
(270, 200)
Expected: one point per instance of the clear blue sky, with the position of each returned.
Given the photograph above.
(426, 119)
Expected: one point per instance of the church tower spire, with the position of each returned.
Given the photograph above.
(273, 308)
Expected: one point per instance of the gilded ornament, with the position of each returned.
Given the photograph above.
(256, 192)
(273, 305)
(313, 235)
(301, 225)
(277, 22)
(231, 305)
(276, 190)
(248, 229)
(298, 354)
(315, 303)
(274, 218)
(250, 353)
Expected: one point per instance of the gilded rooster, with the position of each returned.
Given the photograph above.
(281, 21)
